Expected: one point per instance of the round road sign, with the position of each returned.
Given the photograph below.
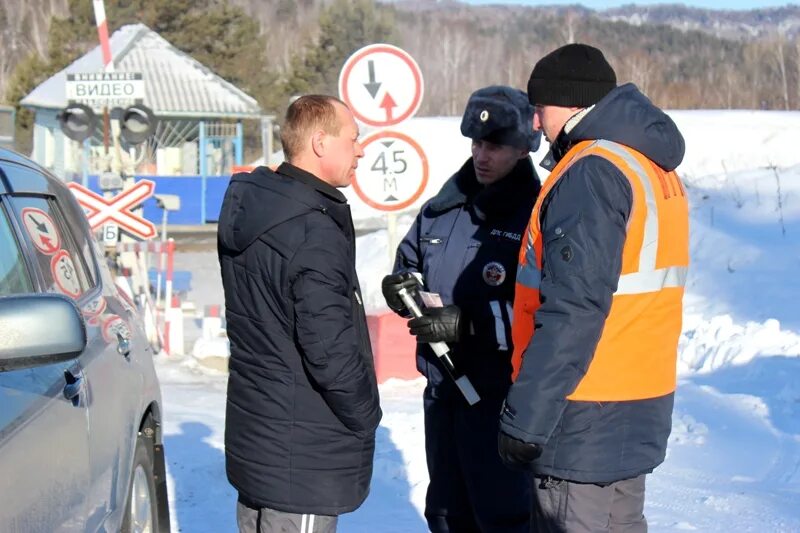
(42, 230)
(393, 173)
(64, 274)
(382, 85)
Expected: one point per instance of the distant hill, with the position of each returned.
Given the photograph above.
(727, 23)
(23, 30)
(682, 57)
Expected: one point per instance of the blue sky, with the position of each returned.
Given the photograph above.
(603, 4)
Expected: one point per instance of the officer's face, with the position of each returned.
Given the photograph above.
(492, 161)
(341, 152)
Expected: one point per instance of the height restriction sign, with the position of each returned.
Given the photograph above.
(393, 173)
(382, 85)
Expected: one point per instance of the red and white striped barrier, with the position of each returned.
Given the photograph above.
(173, 328)
(212, 322)
(154, 247)
(102, 33)
(173, 336)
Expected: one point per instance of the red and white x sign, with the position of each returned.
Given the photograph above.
(117, 209)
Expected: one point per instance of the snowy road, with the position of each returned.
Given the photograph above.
(732, 465)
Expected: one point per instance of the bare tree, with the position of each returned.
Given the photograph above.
(640, 69)
(797, 69)
(570, 25)
(779, 57)
(753, 54)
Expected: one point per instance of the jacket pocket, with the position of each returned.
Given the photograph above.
(564, 249)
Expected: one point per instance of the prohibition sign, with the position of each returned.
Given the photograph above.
(92, 310)
(64, 274)
(381, 84)
(394, 172)
(42, 230)
(112, 326)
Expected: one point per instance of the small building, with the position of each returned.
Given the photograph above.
(199, 131)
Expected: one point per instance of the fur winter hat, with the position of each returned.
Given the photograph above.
(501, 115)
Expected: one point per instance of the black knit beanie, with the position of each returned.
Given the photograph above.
(575, 75)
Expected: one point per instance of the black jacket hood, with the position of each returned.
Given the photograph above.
(628, 117)
(277, 196)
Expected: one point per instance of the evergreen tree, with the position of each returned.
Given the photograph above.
(344, 27)
(222, 37)
(28, 74)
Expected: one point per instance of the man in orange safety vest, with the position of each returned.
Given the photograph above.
(598, 301)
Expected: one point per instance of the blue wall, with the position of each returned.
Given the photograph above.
(188, 188)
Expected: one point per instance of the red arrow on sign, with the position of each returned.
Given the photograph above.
(388, 104)
(100, 210)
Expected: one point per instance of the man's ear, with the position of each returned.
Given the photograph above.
(318, 143)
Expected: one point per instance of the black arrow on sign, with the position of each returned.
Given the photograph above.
(372, 86)
(39, 227)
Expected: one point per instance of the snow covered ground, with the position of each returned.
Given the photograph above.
(734, 458)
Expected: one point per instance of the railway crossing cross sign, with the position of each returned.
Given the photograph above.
(117, 209)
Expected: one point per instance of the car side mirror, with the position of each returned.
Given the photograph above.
(38, 330)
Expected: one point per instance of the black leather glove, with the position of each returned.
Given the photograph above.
(437, 324)
(392, 284)
(516, 454)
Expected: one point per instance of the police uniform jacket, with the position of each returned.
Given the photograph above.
(465, 243)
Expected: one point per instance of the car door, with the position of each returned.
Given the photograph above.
(44, 444)
(111, 382)
(115, 382)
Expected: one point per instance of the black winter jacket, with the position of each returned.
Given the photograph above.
(302, 404)
(589, 442)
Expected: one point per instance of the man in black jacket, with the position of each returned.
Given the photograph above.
(303, 404)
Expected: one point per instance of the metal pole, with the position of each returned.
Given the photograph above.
(203, 172)
(266, 139)
(161, 256)
(238, 145)
(391, 230)
(85, 164)
(168, 287)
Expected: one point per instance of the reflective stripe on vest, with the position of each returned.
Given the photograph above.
(636, 355)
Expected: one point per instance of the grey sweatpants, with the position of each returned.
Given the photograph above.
(564, 507)
(267, 520)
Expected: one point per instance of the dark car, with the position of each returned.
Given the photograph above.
(80, 407)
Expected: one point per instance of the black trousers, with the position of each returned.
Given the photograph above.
(470, 489)
(564, 507)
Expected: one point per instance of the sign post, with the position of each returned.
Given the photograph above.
(382, 85)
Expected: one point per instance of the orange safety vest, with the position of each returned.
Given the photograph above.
(637, 353)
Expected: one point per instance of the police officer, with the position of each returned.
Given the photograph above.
(464, 245)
